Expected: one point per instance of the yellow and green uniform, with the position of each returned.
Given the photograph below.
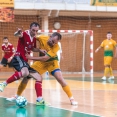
(51, 64)
(108, 46)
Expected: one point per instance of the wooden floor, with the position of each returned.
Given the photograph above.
(94, 96)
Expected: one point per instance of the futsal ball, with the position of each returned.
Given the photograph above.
(21, 101)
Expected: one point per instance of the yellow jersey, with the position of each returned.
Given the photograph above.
(51, 51)
(108, 46)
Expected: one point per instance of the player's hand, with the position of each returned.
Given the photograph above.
(9, 60)
(96, 50)
(28, 56)
(18, 32)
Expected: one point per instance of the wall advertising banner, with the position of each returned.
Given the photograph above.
(103, 2)
(6, 10)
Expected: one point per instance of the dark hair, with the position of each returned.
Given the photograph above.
(34, 24)
(5, 38)
(109, 33)
(57, 34)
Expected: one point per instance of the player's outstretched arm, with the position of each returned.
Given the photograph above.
(3, 53)
(42, 58)
(18, 33)
(9, 59)
(97, 49)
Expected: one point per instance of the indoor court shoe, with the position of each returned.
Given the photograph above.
(2, 86)
(111, 78)
(42, 103)
(12, 99)
(104, 78)
(73, 102)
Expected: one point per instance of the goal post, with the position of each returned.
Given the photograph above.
(77, 48)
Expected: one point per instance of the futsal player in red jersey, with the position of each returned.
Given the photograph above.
(26, 44)
(8, 51)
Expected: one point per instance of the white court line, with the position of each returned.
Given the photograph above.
(67, 109)
(75, 111)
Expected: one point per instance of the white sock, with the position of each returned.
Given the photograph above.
(5, 82)
(16, 96)
(71, 98)
(39, 99)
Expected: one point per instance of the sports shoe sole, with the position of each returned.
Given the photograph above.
(10, 100)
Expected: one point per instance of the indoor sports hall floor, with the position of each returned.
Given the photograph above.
(96, 98)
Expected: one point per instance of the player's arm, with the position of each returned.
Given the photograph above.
(18, 33)
(9, 59)
(41, 51)
(60, 51)
(42, 58)
(101, 46)
(11, 56)
(47, 56)
(98, 49)
(61, 55)
(13, 50)
(3, 53)
(115, 55)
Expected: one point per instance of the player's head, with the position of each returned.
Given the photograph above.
(5, 40)
(109, 35)
(54, 39)
(34, 27)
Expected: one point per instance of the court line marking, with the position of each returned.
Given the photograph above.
(64, 109)
(75, 111)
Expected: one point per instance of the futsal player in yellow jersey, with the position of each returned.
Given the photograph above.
(48, 62)
(108, 44)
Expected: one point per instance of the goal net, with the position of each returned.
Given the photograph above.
(77, 50)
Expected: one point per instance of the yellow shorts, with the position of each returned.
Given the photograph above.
(42, 67)
(108, 60)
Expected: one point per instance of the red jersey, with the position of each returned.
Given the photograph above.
(25, 45)
(8, 50)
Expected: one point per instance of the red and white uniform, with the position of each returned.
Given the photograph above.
(8, 50)
(25, 45)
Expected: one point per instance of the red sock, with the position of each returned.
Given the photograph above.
(14, 77)
(38, 88)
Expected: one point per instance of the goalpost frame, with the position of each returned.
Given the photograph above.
(78, 31)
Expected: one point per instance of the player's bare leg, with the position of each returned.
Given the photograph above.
(16, 76)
